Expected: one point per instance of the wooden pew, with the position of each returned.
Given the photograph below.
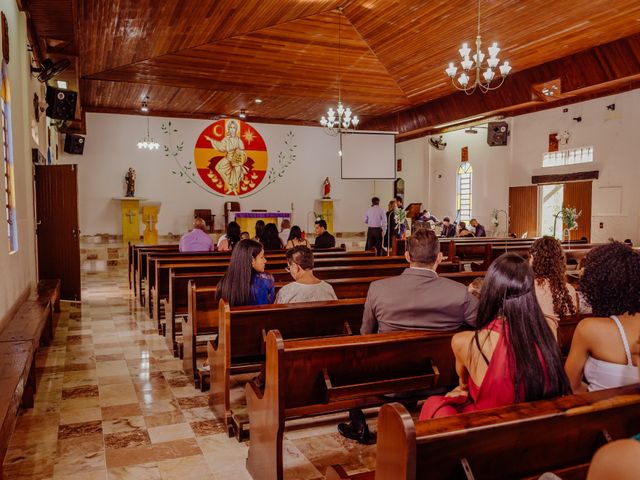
(154, 277)
(17, 382)
(162, 293)
(203, 310)
(492, 252)
(33, 323)
(140, 258)
(138, 263)
(163, 289)
(309, 365)
(310, 377)
(519, 441)
(240, 343)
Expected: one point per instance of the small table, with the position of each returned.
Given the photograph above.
(247, 220)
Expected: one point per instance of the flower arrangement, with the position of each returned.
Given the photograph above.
(569, 217)
(494, 218)
(400, 217)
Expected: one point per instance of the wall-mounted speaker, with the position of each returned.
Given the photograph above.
(497, 133)
(74, 144)
(61, 104)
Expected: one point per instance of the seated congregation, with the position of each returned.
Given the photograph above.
(518, 333)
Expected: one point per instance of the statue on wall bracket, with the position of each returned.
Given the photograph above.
(130, 179)
(326, 188)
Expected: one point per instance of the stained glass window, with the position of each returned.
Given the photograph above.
(463, 190)
(7, 155)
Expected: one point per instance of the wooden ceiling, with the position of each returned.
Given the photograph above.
(202, 59)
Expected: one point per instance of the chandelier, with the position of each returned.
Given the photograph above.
(147, 142)
(476, 63)
(341, 118)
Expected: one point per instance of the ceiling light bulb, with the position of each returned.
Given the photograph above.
(243, 114)
(258, 100)
(505, 68)
(451, 71)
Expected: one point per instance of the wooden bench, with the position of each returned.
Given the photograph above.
(140, 254)
(159, 283)
(492, 252)
(202, 318)
(308, 368)
(519, 441)
(310, 377)
(176, 304)
(240, 345)
(280, 275)
(33, 323)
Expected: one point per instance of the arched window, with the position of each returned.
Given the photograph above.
(463, 190)
(7, 155)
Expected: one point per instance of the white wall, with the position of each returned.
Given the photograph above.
(616, 142)
(18, 268)
(490, 175)
(110, 149)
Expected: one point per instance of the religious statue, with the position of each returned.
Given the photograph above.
(130, 178)
(326, 188)
(232, 167)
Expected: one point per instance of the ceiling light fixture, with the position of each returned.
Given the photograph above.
(144, 106)
(483, 80)
(243, 114)
(340, 119)
(147, 142)
(258, 100)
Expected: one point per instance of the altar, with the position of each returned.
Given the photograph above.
(247, 220)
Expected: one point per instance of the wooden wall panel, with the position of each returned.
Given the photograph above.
(523, 210)
(578, 195)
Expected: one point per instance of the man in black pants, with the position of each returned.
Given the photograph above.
(376, 220)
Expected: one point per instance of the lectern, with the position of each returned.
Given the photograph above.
(130, 217)
(150, 212)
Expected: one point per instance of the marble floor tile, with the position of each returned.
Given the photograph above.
(113, 403)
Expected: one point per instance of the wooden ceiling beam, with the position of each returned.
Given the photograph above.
(598, 71)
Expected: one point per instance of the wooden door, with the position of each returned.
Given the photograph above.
(523, 210)
(58, 237)
(578, 195)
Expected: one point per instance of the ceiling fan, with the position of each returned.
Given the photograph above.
(438, 143)
(49, 69)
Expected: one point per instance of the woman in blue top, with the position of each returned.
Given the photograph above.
(245, 281)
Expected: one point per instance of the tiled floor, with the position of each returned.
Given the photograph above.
(113, 403)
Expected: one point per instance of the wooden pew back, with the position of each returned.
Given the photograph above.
(516, 441)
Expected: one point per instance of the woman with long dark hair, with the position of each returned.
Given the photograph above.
(295, 238)
(270, 238)
(556, 297)
(512, 356)
(603, 347)
(245, 281)
(227, 241)
(259, 230)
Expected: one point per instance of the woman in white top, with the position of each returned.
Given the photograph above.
(306, 287)
(603, 350)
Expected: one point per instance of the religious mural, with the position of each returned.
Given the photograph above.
(231, 157)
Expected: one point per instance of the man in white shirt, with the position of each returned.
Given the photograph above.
(376, 220)
(306, 287)
(285, 229)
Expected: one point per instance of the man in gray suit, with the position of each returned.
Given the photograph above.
(418, 299)
(415, 300)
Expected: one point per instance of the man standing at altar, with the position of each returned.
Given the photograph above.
(376, 221)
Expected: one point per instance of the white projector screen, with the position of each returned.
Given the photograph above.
(368, 155)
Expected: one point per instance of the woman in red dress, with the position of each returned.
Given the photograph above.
(512, 356)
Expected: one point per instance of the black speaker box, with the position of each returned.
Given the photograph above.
(497, 133)
(74, 144)
(61, 104)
